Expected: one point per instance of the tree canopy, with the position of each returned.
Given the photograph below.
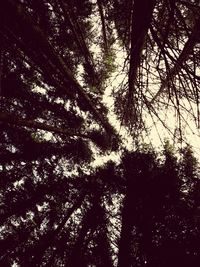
(60, 62)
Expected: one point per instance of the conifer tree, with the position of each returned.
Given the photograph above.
(57, 62)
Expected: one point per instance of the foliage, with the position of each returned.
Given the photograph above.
(50, 217)
(58, 60)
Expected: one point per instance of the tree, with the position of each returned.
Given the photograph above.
(157, 219)
(57, 59)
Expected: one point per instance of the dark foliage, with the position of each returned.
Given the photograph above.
(51, 218)
(57, 58)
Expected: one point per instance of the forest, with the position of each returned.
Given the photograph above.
(85, 86)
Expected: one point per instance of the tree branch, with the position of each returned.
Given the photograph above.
(15, 17)
(186, 51)
(11, 119)
(99, 3)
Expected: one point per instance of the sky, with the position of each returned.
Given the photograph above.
(156, 133)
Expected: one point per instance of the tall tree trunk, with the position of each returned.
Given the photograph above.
(101, 12)
(141, 19)
(129, 220)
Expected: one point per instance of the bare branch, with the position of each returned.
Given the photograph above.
(186, 51)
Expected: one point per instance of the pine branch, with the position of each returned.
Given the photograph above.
(80, 40)
(11, 119)
(33, 35)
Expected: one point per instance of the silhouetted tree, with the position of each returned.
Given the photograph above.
(57, 62)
